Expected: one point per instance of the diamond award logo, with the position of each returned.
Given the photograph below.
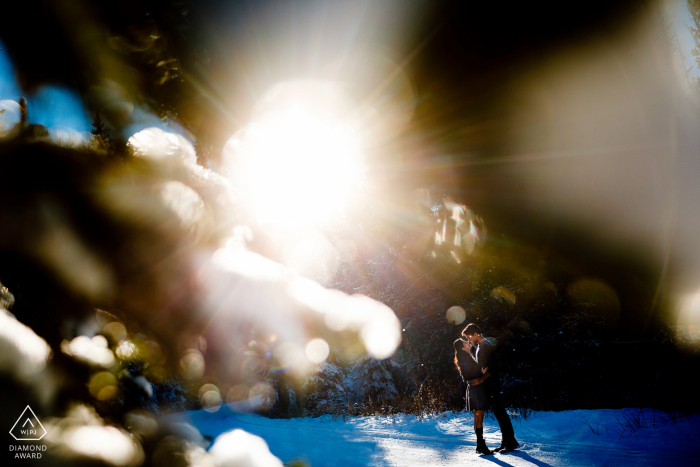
(28, 427)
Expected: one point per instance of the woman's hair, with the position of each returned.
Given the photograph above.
(460, 354)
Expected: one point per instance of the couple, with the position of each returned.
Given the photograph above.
(476, 364)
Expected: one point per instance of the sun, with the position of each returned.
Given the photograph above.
(299, 162)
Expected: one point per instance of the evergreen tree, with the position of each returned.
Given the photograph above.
(325, 388)
(101, 139)
(373, 379)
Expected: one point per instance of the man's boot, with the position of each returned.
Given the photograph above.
(507, 445)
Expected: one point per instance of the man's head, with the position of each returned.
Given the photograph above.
(472, 333)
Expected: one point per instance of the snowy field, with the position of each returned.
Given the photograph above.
(547, 438)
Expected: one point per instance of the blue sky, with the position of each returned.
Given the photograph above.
(58, 107)
(52, 106)
(9, 89)
(677, 12)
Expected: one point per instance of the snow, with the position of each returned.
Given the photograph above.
(547, 438)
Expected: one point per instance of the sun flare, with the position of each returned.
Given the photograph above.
(299, 162)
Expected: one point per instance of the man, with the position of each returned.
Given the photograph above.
(492, 385)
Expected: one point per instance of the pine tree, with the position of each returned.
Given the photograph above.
(101, 139)
(325, 388)
(374, 379)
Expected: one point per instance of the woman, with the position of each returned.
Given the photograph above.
(475, 395)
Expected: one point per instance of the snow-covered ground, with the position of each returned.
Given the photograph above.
(547, 438)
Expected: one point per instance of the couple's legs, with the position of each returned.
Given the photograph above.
(493, 391)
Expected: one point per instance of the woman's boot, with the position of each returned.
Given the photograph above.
(481, 447)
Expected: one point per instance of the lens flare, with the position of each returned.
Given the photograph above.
(103, 386)
(688, 326)
(211, 401)
(317, 350)
(456, 315)
(381, 336)
(262, 396)
(192, 364)
(152, 352)
(287, 355)
(126, 349)
(206, 388)
(237, 393)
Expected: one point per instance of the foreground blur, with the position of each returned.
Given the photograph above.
(168, 272)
